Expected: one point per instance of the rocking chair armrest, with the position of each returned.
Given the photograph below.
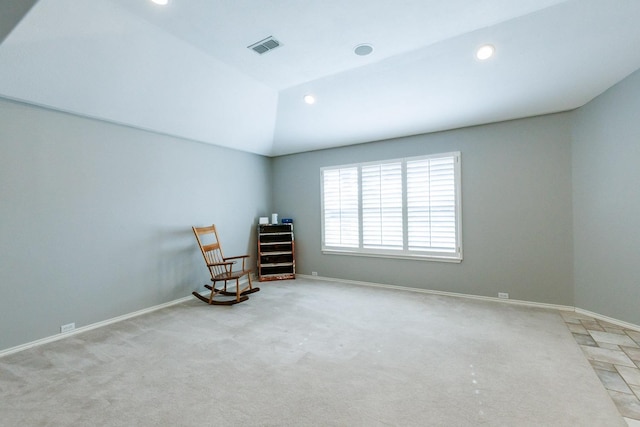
(236, 257)
(213, 264)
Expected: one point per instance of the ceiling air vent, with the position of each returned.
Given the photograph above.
(265, 45)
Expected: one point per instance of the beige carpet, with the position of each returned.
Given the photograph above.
(313, 353)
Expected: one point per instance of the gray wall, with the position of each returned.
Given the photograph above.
(516, 202)
(95, 218)
(11, 13)
(606, 184)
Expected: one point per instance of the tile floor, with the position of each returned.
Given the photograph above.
(614, 353)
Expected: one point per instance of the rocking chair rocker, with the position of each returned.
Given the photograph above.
(221, 269)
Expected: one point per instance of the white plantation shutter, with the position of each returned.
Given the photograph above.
(399, 208)
(382, 206)
(340, 203)
(431, 204)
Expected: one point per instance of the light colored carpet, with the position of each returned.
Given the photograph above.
(313, 353)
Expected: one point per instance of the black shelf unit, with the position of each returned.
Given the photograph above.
(276, 256)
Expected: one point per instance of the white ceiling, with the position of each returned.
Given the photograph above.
(185, 70)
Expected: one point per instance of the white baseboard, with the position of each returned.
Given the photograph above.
(90, 327)
(482, 298)
(60, 336)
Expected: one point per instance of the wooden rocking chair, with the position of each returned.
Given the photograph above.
(221, 269)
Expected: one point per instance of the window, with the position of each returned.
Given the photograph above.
(408, 208)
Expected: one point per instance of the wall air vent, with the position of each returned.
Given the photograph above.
(265, 45)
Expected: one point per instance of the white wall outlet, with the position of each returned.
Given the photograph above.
(503, 295)
(314, 273)
(67, 328)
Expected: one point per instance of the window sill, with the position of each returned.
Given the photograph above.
(435, 258)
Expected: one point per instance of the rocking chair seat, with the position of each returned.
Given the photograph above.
(232, 275)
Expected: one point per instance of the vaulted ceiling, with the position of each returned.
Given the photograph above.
(185, 69)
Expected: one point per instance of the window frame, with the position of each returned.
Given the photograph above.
(454, 256)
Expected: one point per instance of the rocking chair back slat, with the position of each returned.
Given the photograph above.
(213, 257)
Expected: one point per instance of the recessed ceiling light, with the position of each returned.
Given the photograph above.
(363, 49)
(309, 99)
(485, 52)
(161, 2)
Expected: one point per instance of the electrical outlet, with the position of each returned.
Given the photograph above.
(314, 273)
(503, 295)
(67, 328)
